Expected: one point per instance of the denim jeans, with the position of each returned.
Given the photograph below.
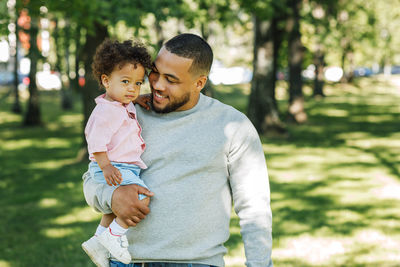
(157, 264)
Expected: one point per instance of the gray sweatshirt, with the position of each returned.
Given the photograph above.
(200, 160)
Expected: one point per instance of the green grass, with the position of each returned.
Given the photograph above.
(335, 182)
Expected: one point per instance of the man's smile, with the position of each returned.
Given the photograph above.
(157, 95)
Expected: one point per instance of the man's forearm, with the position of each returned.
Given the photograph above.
(251, 196)
(126, 204)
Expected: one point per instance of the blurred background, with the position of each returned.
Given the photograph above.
(318, 78)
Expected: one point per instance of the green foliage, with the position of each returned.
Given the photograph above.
(4, 18)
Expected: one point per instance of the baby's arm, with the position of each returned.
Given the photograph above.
(143, 100)
(111, 174)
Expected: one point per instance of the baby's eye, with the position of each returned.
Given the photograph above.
(139, 83)
(125, 81)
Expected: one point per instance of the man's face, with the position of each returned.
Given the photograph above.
(173, 87)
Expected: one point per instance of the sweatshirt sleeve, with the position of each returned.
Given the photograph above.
(251, 194)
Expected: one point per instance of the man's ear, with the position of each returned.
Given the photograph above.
(105, 81)
(201, 82)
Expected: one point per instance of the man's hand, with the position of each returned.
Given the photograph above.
(112, 175)
(143, 100)
(126, 205)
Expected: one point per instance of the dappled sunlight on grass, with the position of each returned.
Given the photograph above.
(365, 247)
(57, 232)
(372, 118)
(332, 112)
(310, 250)
(18, 144)
(4, 263)
(7, 117)
(335, 182)
(66, 185)
(84, 214)
(374, 142)
(50, 164)
(40, 182)
(70, 119)
(44, 143)
(48, 202)
(388, 188)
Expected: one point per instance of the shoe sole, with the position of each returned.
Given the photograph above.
(92, 255)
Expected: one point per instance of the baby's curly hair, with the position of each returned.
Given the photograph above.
(113, 53)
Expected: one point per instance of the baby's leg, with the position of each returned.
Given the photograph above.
(106, 219)
(114, 238)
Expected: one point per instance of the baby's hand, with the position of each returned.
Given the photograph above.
(112, 175)
(143, 100)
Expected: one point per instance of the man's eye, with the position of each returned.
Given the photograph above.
(125, 81)
(170, 81)
(139, 83)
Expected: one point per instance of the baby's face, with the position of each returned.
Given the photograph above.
(123, 84)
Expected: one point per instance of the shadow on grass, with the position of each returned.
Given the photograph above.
(45, 217)
(361, 122)
(40, 185)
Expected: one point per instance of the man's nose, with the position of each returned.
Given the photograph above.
(157, 83)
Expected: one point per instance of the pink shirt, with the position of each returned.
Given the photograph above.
(112, 127)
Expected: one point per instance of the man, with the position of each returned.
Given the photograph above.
(202, 155)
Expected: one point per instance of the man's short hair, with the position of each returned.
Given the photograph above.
(194, 47)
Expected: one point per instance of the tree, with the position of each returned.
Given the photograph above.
(295, 58)
(262, 109)
(385, 42)
(62, 41)
(318, 17)
(93, 18)
(15, 10)
(32, 116)
(351, 32)
(90, 90)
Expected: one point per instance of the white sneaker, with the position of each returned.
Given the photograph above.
(116, 245)
(97, 253)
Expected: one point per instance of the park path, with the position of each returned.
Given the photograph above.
(395, 80)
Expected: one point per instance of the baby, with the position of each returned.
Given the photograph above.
(114, 137)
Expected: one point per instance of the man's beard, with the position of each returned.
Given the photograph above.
(172, 105)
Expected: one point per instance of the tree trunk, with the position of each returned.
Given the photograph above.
(91, 89)
(319, 63)
(62, 45)
(296, 53)
(77, 57)
(16, 108)
(262, 109)
(67, 102)
(32, 116)
(278, 36)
